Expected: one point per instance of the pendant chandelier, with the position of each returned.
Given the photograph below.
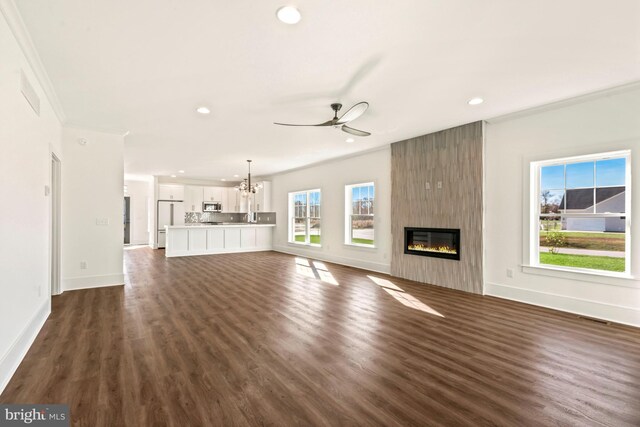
(246, 187)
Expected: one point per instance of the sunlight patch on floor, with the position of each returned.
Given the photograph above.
(305, 271)
(385, 283)
(401, 296)
(315, 270)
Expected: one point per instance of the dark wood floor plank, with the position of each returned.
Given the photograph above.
(259, 339)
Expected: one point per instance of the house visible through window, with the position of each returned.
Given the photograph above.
(304, 217)
(582, 209)
(359, 206)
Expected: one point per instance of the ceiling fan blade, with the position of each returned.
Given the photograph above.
(353, 113)
(353, 131)
(328, 123)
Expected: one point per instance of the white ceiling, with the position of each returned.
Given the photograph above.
(144, 66)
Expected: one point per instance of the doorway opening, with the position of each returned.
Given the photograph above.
(56, 168)
(126, 219)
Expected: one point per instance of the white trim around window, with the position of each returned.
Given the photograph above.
(304, 221)
(360, 211)
(532, 255)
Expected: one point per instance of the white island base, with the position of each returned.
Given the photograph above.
(202, 239)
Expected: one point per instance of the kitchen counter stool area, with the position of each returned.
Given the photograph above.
(187, 240)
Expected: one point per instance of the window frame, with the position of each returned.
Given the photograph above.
(348, 204)
(535, 211)
(292, 215)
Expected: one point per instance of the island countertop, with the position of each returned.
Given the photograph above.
(208, 239)
(221, 225)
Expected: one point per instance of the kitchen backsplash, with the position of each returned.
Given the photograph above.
(194, 217)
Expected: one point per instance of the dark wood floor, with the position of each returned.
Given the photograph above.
(263, 339)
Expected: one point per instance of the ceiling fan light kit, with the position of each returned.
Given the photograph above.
(353, 113)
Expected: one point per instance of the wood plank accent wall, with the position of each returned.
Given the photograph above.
(454, 157)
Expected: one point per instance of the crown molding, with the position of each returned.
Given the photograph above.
(566, 102)
(19, 30)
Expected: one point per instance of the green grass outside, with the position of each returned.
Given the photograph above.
(315, 239)
(583, 261)
(590, 235)
(362, 241)
(585, 240)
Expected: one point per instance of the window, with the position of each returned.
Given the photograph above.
(581, 210)
(359, 206)
(304, 217)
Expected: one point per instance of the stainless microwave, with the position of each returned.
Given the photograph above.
(211, 207)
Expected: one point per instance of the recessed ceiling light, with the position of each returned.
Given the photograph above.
(203, 110)
(222, 179)
(235, 176)
(289, 15)
(475, 101)
(173, 176)
(350, 140)
(181, 171)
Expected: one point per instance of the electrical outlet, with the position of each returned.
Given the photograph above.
(427, 185)
(439, 185)
(509, 272)
(83, 265)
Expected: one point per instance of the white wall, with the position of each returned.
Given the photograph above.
(140, 200)
(92, 190)
(27, 141)
(331, 177)
(594, 124)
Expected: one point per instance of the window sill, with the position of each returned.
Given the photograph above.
(313, 245)
(613, 278)
(359, 246)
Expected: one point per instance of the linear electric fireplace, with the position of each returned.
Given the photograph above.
(434, 242)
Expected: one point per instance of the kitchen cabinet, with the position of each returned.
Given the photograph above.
(213, 194)
(232, 200)
(193, 198)
(170, 192)
(187, 240)
(261, 201)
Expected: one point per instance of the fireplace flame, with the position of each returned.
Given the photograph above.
(425, 248)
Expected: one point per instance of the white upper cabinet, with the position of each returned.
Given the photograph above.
(193, 197)
(170, 192)
(261, 201)
(232, 200)
(213, 194)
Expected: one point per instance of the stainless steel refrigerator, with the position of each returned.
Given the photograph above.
(169, 213)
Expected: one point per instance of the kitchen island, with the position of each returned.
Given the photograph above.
(206, 239)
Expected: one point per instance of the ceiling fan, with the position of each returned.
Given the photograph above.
(352, 114)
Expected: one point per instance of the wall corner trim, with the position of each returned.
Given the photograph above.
(20, 32)
(18, 350)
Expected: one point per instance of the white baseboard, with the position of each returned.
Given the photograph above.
(614, 313)
(12, 359)
(322, 256)
(86, 282)
(138, 242)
